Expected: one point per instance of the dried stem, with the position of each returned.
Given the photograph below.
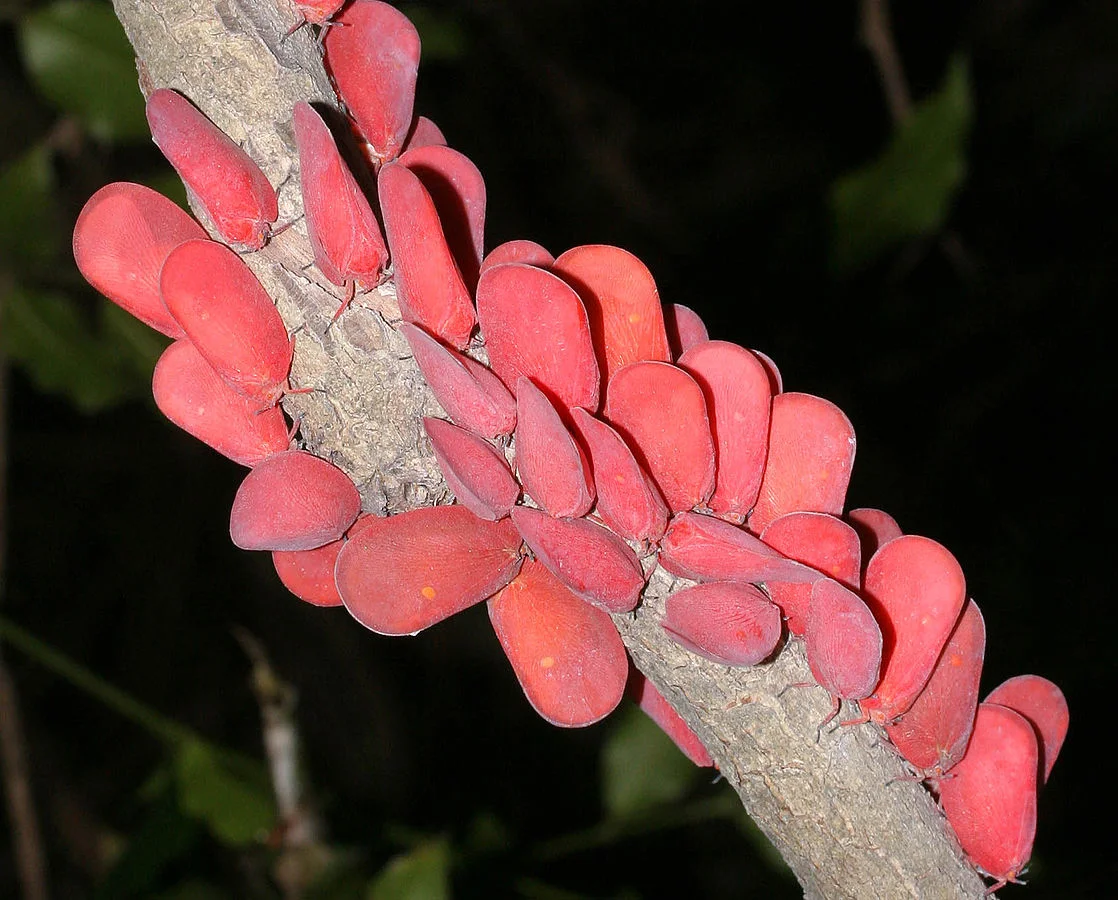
(825, 805)
(877, 35)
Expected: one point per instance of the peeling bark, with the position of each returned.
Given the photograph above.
(827, 804)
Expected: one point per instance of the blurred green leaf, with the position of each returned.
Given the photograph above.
(79, 59)
(64, 353)
(440, 33)
(421, 874)
(908, 190)
(29, 236)
(641, 767)
(164, 836)
(236, 808)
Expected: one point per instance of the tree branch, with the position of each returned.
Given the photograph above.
(826, 805)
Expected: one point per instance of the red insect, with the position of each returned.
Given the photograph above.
(373, 57)
(309, 574)
(343, 231)
(229, 318)
(424, 133)
(401, 574)
(653, 704)
(315, 12)
(429, 285)
(739, 398)
(875, 528)
(732, 624)
(566, 654)
(811, 453)
(590, 560)
(535, 326)
(776, 383)
(474, 469)
(628, 502)
(704, 548)
(458, 191)
(528, 252)
(843, 643)
(471, 394)
(1042, 703)
(660, 410)
(192, 395)
(821, 541)
(916, 591)
(237, 196)
(549, 461)
(685, 329)
(622, 302)
(933, 734)
(293, 501)
(990, 798)
(122, 237)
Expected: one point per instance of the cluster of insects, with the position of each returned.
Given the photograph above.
(606, 434)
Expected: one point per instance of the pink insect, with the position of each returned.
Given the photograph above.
(315, 12)
(732, 624)
(811, 453)
(990, 798)
(685, 329)
(122, 237)
(236, 195)
(628, 501)
(293, 501)
(192, 395)
(424, 133)
(566, 654)
(344, 233)
(521, 251)
(704, 548)
(916, 590)
(229, 318)
(621, 299)
(1042, 703)
(739, 398)
(933, 734)
(550, 463)
(458, 192)
(309, 574)
(373, 57)
(474, 469)
(843, 644)
(653, 704)
(471, 394)
(429, 284)
(535, 326)
(661, 411)
(402, 574)
(818, 540)
(590, 560)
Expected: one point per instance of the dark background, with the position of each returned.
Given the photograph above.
(974, 364)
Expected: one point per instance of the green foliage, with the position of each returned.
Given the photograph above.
(641, 767)
(95, 366)
(29, 233)
(236, 807)
(440, 33)
(163, 836)
(421, 874)
(79, 59)
(908, 190)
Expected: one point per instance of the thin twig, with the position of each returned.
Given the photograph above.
(27, 842)
(877, 35)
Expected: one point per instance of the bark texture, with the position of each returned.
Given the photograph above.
(827, 804)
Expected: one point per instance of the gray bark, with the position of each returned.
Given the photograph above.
(827, 805)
